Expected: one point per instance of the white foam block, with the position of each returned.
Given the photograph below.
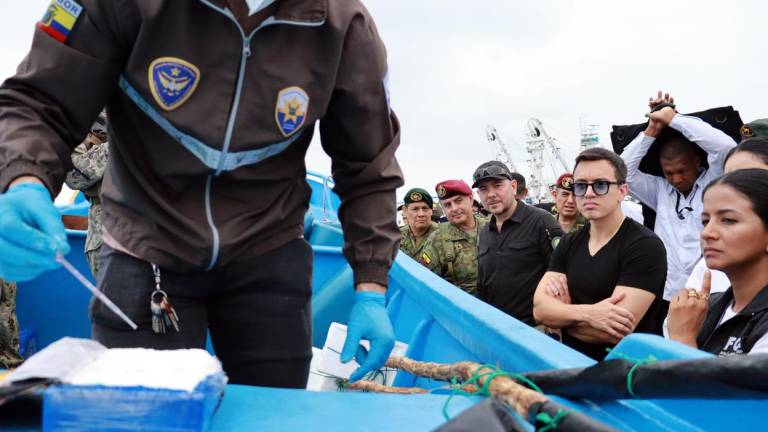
(329, 363)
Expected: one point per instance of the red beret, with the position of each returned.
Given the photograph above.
(565, 181)
(450, 188)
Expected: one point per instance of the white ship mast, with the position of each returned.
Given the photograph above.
(541, 146)
(502, 153)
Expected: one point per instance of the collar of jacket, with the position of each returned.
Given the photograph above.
(517, 217)
(758, 304)
(720, 301)
(294, 11)
(453, 232)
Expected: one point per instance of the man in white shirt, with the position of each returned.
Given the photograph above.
(676, 197)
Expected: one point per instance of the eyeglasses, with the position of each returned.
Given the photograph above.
(491, 171)
(599, 187)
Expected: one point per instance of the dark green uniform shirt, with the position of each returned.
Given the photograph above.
(408, 243)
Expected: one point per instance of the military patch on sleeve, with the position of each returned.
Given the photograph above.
(60, 18)
(425, 259)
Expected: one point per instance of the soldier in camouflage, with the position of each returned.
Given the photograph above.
(417, 213)
(9, 327)
(451, 251)
(90, 161)
(564, 209)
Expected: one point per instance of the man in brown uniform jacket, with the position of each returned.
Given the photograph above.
(212, 106)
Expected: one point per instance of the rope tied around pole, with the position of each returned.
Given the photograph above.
(637, 363)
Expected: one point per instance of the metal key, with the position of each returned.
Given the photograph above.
(158, 314)
(163, 314)
(170, 313)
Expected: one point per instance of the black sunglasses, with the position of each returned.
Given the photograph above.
(599, 187)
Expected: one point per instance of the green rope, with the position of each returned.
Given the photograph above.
(526, 381)
(482, 390)
(637, 363)
(550, 423)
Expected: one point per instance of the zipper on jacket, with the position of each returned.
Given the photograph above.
(209, 216)
(246, 52)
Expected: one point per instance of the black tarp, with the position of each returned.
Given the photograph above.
(492, 415)
(734, 377)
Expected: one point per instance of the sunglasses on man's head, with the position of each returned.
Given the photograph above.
(599, 187)
(491, 171)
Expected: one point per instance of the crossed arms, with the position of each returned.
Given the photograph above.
(606, 321)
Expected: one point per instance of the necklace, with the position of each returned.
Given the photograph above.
(617, 228)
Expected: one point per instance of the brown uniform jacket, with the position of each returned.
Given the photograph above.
(214, 178)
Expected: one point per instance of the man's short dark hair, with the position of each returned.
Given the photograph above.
(674, 145)
(520, 179)
(598, 154)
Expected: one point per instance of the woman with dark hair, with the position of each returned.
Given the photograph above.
(735, 241)
(750, 153)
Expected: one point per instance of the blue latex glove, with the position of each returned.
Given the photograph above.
(31, 232)
(368, 320)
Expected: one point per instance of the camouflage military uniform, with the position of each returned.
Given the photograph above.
(451, 253)
(9, 327)
(90, 161)
(579, 224)
(408, 243)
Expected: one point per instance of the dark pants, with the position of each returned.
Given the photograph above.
(258, 311)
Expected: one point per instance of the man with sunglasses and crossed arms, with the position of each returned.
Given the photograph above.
(676, 198)
(606, 280)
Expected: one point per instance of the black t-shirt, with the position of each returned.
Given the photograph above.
(635, 257)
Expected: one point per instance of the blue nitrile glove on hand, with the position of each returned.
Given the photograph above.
(31, 232)
(368, 320)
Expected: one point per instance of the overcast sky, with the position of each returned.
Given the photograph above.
(456, 66)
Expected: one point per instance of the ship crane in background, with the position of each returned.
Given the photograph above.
(543, 151)
(502, 153)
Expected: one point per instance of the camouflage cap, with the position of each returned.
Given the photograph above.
(418, 195)
(757, 128)
(565, 181)
(450, 188)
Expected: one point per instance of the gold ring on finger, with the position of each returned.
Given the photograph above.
(693, 294)
(704, 297)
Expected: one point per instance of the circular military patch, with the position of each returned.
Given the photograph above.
(416, 197)
(440, 191)
(746, 132)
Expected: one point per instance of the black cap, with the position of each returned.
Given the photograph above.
(491, 169)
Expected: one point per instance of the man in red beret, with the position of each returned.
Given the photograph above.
(451, 251)
(565, 210)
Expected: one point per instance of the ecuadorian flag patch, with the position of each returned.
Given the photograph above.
(60, 18)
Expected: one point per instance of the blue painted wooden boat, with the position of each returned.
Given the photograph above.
(439, 322)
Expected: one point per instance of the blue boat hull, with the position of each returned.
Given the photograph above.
(439, 322)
